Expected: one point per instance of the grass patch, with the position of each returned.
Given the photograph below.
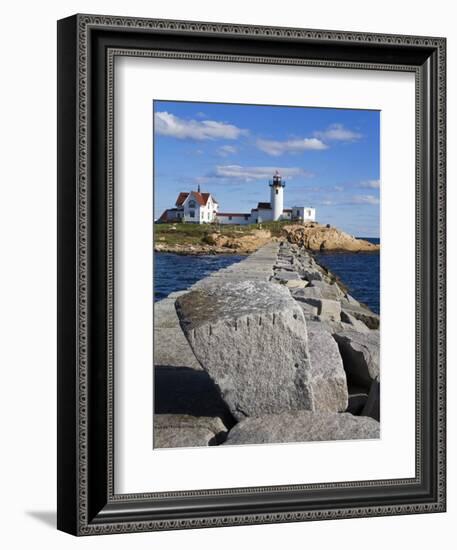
(193, 233)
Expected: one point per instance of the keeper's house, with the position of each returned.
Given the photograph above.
(197, 207)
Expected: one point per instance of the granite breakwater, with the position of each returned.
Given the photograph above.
(270, 349)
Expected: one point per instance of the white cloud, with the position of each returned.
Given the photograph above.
(250, 173)
(364, 199)
(167, 124)
(337, 132)
(227, 150)
(370, 184)
(328, 203)
(338, 188)
(277, 148)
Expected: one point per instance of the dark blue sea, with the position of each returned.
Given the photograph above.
(174, 272)
(359, 271)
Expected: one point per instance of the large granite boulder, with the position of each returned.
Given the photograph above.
(296, 284)
(302, 426)
(311, 274)
(251, 339)
(180, 430)
(328, 376)
(328, 310)
(310, 292)
(354, 323)
(361, 313)
(329, 291)
(165, 314)
(309, 310)
(285, 276)
(170, 348)
(360, 353)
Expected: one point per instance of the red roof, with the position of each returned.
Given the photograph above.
(181, 198)
(201, 198)
(164, 216)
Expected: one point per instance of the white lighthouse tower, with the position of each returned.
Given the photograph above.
(277, 196)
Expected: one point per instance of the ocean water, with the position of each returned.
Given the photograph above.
(359, 271)
(174, 272)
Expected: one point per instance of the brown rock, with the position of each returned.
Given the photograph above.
(314, 236)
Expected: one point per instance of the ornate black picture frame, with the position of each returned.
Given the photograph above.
(87, 502)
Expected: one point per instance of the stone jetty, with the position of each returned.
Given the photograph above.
(269, 350)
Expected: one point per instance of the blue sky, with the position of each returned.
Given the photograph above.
(329, 158)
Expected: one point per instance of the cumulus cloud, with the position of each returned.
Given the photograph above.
(250, 173)
(167, 124)
(226, 150)
(370, 184)
(365, 199)
(337, 132)
(278, 148)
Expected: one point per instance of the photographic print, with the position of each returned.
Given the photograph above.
(266, 274)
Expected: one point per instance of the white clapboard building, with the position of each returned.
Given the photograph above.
(198, 207)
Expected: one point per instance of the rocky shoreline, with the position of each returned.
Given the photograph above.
(310, 235)
(271, 349)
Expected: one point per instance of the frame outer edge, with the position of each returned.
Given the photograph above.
(83, 22)
(67, 413)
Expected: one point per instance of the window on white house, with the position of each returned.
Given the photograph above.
(192, 213)
(192, 204)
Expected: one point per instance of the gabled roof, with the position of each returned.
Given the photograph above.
(205, 196)
(164, 216)
(264, 206)
(201, 198)
(181, 198)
